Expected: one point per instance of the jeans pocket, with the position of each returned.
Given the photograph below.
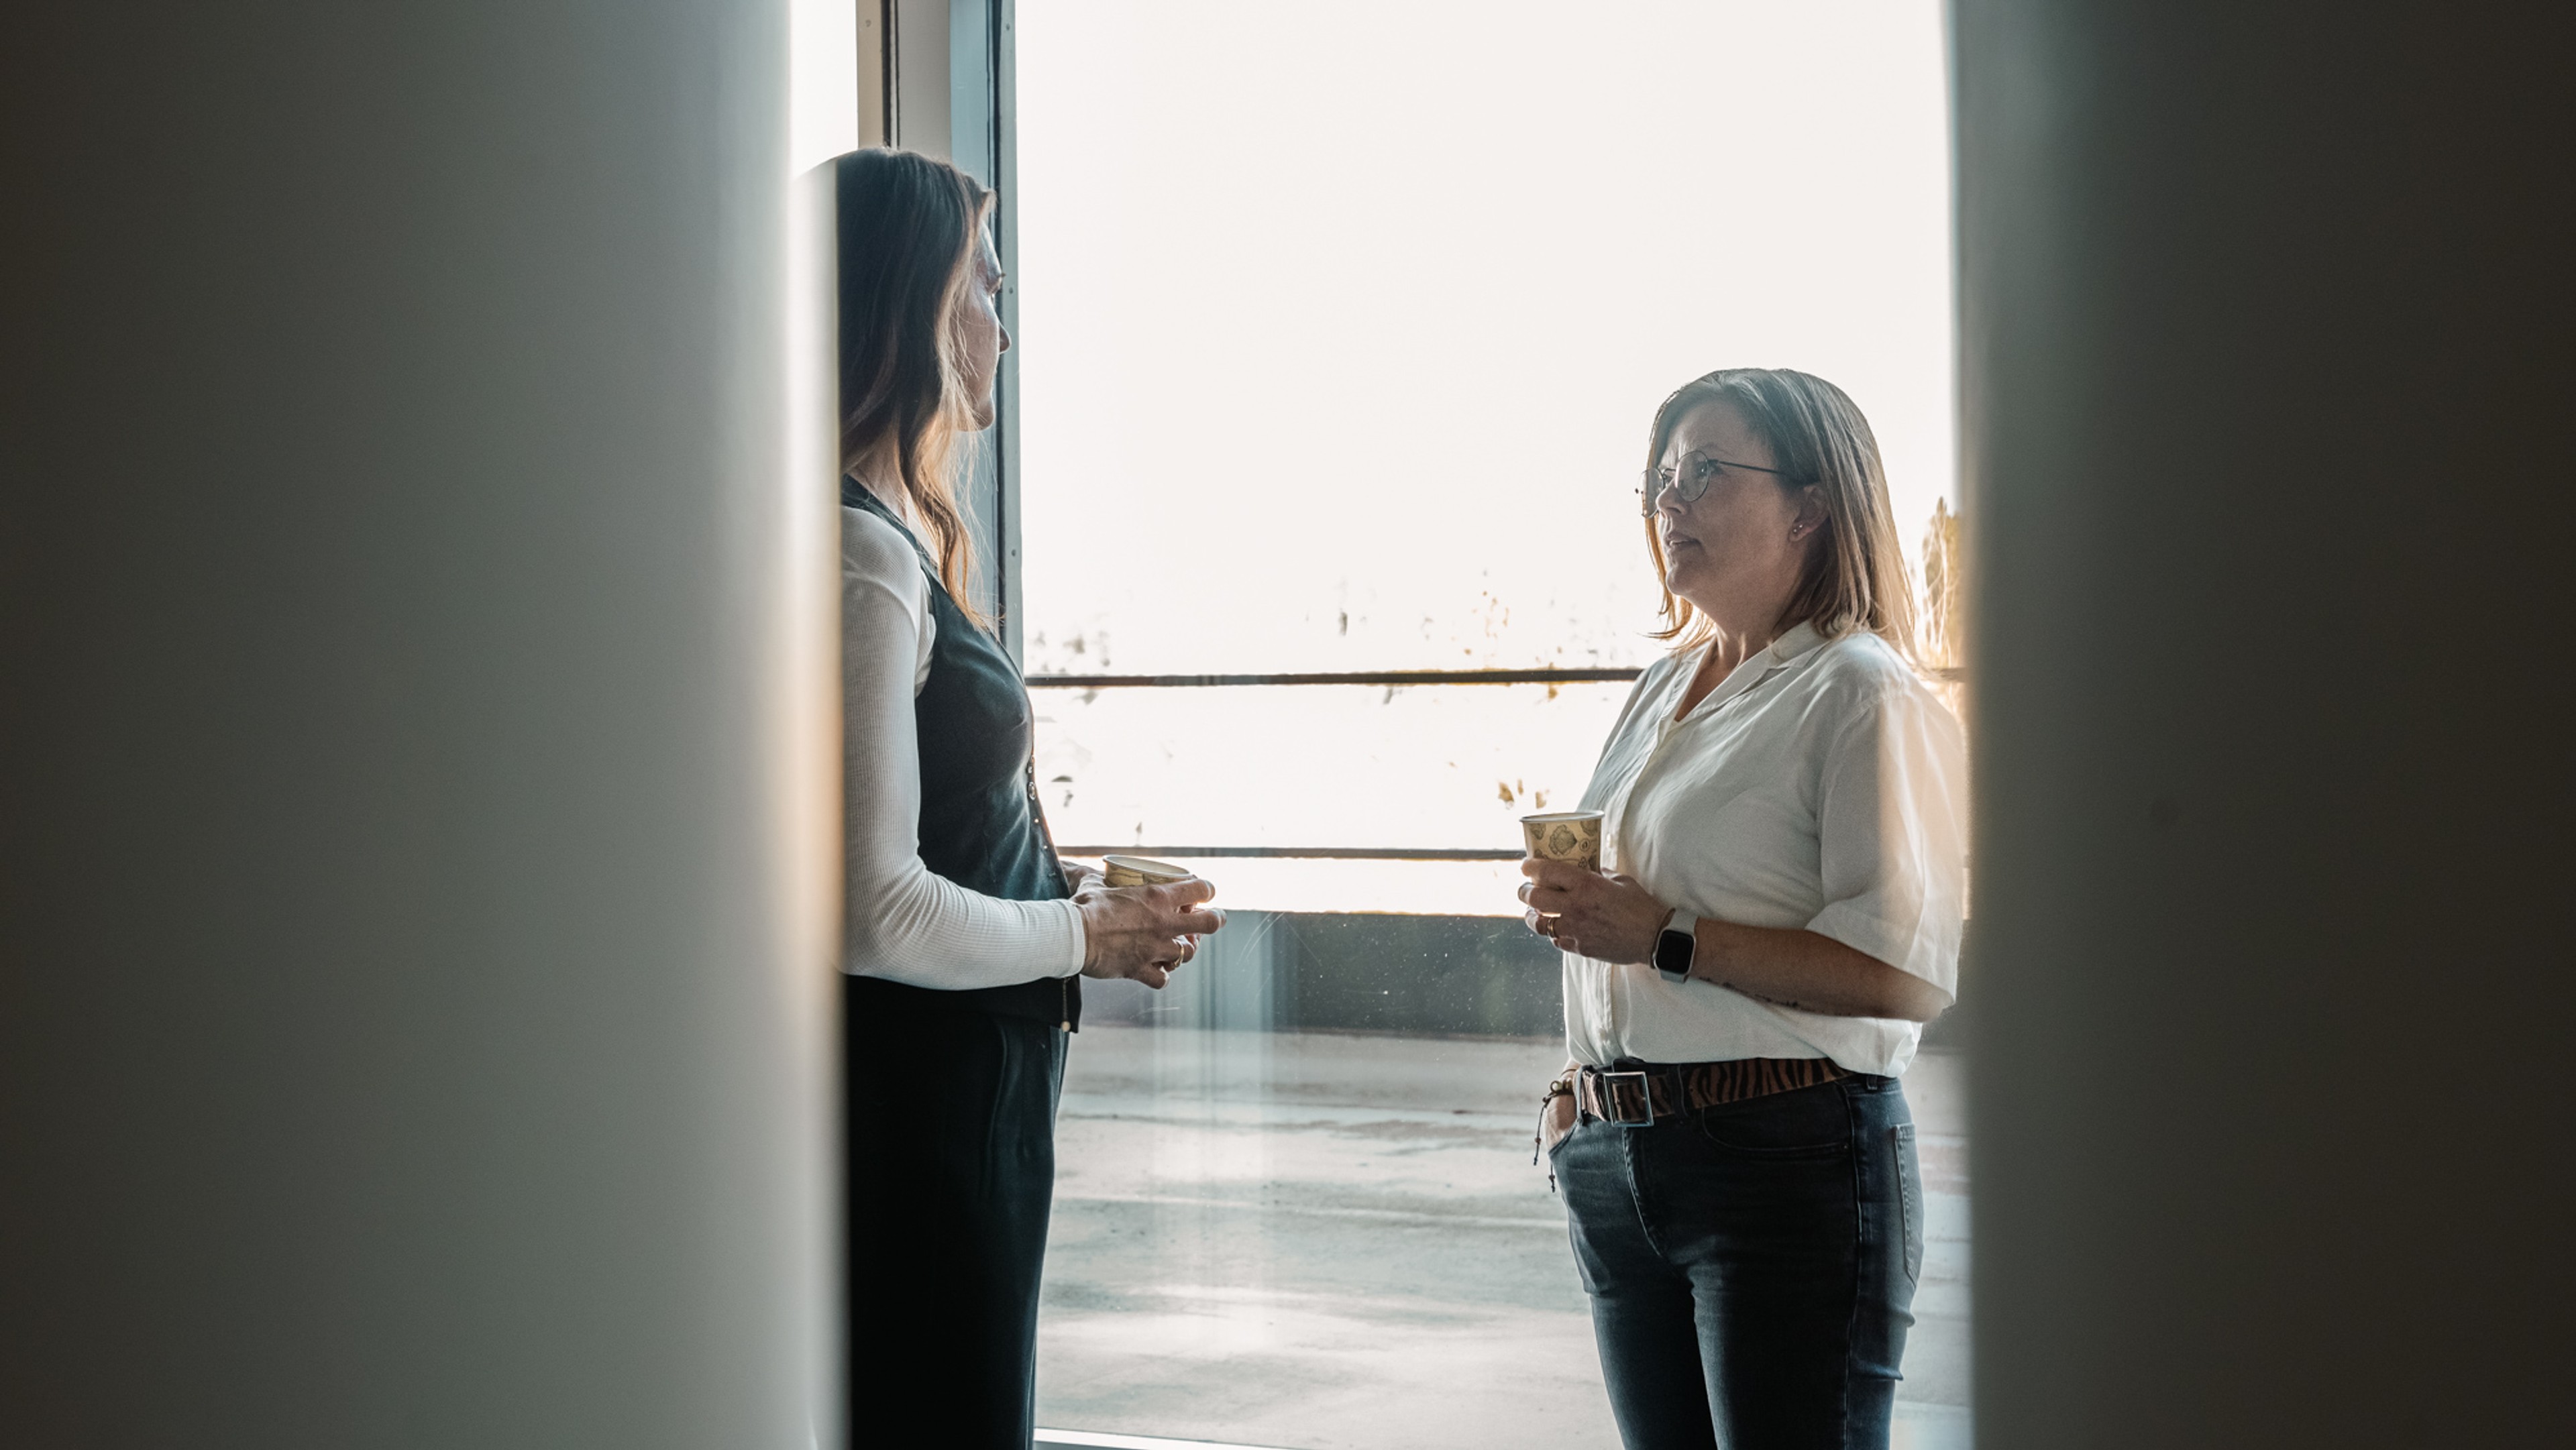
(1909, 1198)
(1556, 1125)
(1804, 1123)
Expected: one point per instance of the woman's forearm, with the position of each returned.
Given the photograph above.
(1615, 919)
(1812, 973)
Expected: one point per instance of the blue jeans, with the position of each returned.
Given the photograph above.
(1751, 1266)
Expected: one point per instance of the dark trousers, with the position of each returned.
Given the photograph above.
(1751, 1266)
(951, 1167)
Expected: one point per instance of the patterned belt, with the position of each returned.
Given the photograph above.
(1634, 1094)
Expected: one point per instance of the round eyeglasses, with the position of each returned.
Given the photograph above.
(1689, 480)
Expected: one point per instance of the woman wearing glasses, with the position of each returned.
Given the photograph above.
(1779, 914)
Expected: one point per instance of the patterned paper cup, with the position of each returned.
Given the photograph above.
(1142, 871)
(1573, 837)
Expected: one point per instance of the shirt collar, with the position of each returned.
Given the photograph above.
(1800, 640)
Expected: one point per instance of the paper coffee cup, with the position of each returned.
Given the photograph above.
(1142, 871)
(1573, 837)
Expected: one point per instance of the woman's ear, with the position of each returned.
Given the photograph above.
(1811, 511)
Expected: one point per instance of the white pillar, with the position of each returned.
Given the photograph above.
(2266, 311)
(415, 977)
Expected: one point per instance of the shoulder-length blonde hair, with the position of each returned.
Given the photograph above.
(1855, 576)
(909, 231)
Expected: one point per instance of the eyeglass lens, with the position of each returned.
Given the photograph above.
(1688, 484)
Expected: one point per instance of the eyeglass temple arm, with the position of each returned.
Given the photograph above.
(1657, 472)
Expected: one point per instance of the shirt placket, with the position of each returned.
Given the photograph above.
(1667, 729)
(1605, 980)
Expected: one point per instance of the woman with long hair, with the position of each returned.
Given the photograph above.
(965, 935)
(1780, 910)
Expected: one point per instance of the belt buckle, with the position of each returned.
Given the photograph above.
(1610, 1098)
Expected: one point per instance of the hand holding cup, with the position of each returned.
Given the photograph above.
(1146, 930)
(1568, 899)
(1607, 918)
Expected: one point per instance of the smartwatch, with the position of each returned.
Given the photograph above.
(1678, 944)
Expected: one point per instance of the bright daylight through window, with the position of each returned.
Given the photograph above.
(1341, 325)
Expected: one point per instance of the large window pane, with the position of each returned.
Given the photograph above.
(1341, 320)
(1340, 327)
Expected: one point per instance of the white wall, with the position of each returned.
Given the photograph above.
(824, 92)
(414, 876)
(2265, 313)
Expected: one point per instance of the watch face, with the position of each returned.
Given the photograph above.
(1673, 951)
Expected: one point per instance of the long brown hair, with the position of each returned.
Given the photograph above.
(1855, 577)
(909, 230)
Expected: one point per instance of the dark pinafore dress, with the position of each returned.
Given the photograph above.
(950, 1098)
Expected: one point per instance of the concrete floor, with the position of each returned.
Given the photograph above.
(1318, 1241)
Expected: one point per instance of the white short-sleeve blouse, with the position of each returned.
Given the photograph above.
(1821, 785)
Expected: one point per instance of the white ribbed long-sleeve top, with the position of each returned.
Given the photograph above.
(903, 922)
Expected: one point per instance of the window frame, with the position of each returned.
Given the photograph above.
(937, 76)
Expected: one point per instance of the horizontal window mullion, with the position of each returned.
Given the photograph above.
(1297, 853)
(1357, 677)
(1946, 674)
